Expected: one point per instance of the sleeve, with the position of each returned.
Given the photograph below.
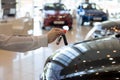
(22, 43)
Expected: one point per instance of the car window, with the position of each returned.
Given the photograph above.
(98, 7)
(48, 7)
(56, 6)
(89, 6)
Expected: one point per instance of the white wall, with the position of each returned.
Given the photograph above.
(0, 5)
(1, 11)
(23, 7)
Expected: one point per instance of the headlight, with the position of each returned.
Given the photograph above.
(48, 16)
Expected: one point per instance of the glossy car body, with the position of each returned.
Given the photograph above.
(105, 28)
(56, 14)
(91, 12)
(97, 59)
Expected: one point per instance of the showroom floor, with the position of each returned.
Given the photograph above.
(29, 65)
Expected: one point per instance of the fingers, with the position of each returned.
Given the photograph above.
(54, 33)
(59, 31)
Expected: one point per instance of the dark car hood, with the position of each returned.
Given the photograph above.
(94, 12)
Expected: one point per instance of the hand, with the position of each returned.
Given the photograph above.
(54, 33)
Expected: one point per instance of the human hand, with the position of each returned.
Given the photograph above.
(54, 33)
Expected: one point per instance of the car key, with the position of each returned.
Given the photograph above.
(63, 36)
(58, 41)
(65, 40)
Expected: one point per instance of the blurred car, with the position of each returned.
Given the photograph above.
(56, 14)
(97, 59)
(91, 12)
(106, 28)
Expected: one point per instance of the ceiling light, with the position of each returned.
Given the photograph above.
(98, 51)
(102, 66)
(113, 62)
(117, 78)
(108, 55)
(97, 73)
(91, 67)
(84, 60)
(114, 51)
(110, 58)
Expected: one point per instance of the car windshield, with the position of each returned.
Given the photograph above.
(89, 6)
(54, 6)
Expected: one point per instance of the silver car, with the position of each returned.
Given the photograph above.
(105, 28)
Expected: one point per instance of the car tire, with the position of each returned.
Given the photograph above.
(43, 28)
(91, 23)
(82, 23)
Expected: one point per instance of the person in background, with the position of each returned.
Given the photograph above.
(27, 43)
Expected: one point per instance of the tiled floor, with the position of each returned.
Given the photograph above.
(29, 65)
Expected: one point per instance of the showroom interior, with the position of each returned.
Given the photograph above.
(25, 18)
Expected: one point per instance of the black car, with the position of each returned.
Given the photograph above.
(91, 12)
(97, 59)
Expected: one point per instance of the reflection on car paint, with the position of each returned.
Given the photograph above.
(96, 59)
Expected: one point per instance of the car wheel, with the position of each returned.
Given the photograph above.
(91, 23)
(43, 27)
(82, 23)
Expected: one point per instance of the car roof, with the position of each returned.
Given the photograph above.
(109, 24)
(56, 6)
(53, 3)
(87, 3)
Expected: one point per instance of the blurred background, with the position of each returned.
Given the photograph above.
(25, 17)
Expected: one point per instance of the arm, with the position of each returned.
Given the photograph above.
(27, 43)
(22, 43)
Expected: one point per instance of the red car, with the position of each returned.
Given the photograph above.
(56, 15)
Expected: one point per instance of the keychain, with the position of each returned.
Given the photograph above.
(63, 36)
